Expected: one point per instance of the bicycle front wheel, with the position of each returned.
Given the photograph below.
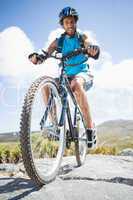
(81, 142)
(42, 140)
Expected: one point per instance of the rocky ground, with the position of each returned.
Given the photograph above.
(100, 178)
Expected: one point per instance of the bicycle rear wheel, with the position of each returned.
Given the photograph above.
(81, 142)
(41, 139)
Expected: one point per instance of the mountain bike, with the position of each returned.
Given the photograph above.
(48, 128)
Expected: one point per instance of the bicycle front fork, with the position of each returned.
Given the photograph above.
(63, 95)
(73, 133)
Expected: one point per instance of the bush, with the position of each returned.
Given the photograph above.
(16, 154)
(6, 155)
(10, 152)
(1, 159)
(105, 150)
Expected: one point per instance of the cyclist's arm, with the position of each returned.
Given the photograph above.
(52, 47)
(86, 41)
(93, 50)
(36, 58)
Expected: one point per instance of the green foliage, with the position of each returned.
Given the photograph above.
(10, 152)
(43, 147)
(70, 151)
(46, 147)
(1, 159)
(6, 155)
(15, 153)
(106, 150)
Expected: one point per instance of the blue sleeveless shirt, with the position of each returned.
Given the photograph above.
(69, 45)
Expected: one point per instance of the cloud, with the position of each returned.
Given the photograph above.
(107, 104)
(14, 49)
(112, 76)
(15, 46)
(52, 36)
(109, 75)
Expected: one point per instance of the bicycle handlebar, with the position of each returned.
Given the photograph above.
(67, 56)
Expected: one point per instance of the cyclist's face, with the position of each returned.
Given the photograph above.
(69, 25)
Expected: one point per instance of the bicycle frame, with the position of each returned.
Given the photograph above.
(64, 88)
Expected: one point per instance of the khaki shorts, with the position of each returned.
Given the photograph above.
(88, 78)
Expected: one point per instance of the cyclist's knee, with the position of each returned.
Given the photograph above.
(45, 89)
(76, 85)
(45, 93)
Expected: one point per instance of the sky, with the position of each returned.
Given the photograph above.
(29, 25)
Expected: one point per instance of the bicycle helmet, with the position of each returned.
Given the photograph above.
(67, 11)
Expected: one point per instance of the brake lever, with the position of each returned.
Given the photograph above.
(45, 53)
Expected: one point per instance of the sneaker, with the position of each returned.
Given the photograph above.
(91, 137)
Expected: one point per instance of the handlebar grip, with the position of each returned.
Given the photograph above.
(41, 57)
(32, 54)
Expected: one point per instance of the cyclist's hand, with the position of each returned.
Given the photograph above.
(36, 58)
(93, 51)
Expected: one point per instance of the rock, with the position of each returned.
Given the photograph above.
(126, 152)
(100, 178)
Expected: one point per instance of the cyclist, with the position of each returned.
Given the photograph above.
(77, 74)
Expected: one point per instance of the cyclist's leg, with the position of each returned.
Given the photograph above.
(77, 86)
(45, 95)
(45, 92)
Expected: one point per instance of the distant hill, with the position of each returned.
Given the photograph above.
(118, 133)
(9, 137)
(114, 133)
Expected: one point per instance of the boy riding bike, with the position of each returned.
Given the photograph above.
(77, 74)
